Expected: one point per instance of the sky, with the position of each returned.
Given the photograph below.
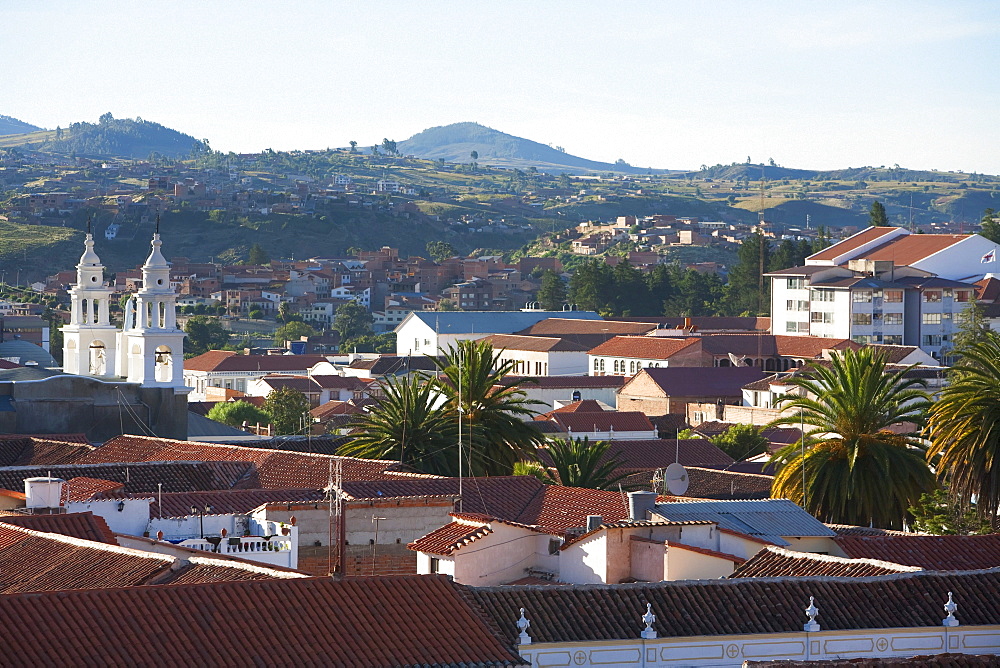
(661, 83)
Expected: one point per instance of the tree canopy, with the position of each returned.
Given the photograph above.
(580, 463)
(552, 294)
(289, 410)
(877, 216)
(293, 331)
(235, 413)
(204, 333)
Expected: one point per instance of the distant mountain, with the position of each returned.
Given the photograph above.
(456, 142)
(118, 137)
(12, 126)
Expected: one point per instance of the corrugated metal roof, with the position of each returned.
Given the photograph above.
(766, 518)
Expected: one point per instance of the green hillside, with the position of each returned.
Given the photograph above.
(109, 137)
(456, 142)
(12, 126)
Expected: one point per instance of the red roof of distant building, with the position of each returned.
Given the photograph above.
(86, 526)
(939, 553)
(775, 562)
(452, 536)
(643, 347)
(226, 360)
(856, 241)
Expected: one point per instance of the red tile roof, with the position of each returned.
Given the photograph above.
(225, 360)
(561, 327)
(775, 562)
(661, 452)
(585, 406)
(912, 248)
(940, 553)
(643, 347)
(273, 469)
(581, 423)
(81, 488)
(592, 613)
(856, 241)
(86, 526)
(450, 537)
(568, 382)
(533, 343)
(379, 623)
(700, 381)
(33, 450)
(175, 476)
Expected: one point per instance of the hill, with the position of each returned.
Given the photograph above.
(109, 137)
(12, 126)
(456, 142)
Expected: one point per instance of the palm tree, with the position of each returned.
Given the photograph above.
(964, 428)
(580, 463)
(857, 470)
(494, 411)
(407, 426)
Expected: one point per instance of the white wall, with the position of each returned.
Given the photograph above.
(132, 519)
(586, 561)
(503, 556)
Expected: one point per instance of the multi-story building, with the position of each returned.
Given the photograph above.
(884, 285)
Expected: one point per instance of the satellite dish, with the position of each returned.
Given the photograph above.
(676, 477)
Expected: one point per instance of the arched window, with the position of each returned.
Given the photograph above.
(164, 364)
(631, 367)
(596, 364)
(602, 364)
(616, 366)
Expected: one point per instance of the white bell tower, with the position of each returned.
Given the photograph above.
(152, 347)
(89, 340)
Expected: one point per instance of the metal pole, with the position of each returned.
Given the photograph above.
(802, 441)
(460, 411)
(376, 520)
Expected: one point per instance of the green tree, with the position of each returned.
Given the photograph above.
(235, 413)
(741, 441)
(937, 513)
(440, 250)
(204, 333)
(857, 470)
(964, 427)
(293, 331)
(447, 305)
(289, 410)
(473, 380)
(286, 314)
(474, 155)
(409, 426)
(877, 216)
(552, 294)
(354, 146)
(990, 226)
(580, 463)
(351, 321)
(389, 146)
(258, 255)
(973, 327)
(743, 291)
(371, 343)
(255, 314)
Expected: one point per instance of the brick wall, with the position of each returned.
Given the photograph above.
(389, 560)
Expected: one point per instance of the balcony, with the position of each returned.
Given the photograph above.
(276, 550)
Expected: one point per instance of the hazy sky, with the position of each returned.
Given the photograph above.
(660, 83)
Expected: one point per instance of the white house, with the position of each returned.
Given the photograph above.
(540, 355)
(431, 332)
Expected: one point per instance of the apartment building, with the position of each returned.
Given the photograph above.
(884, 285)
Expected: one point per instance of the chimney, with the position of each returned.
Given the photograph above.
(594, 521)
(640, 504)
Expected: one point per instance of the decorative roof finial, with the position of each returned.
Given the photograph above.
(522, 625)
(950, 607)
(811, 626)
(89, 218)
(649, 619)
(157, 223)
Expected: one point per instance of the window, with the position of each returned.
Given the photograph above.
(962, 295)
(932, 295)
(602, 365)
(861, 318)
(595, 365)
(616, 366)
(931, 318)
(821, 317)
(796, 283)
(893, 339)
(861, 296)
(797, 327)
(435, 565)
(796, 305)
(931, 340)
(823, 295)
(894, 296)
(862, 338)
(893, 319)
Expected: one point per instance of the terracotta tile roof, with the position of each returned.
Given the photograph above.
(450, 537)
(581, 423)
(851, 530)
(392, 364)
(561, 327)
(912, 248)
(229, 502)
(709, 323)
(701, 381)
(894, 354)
(585, 406)
(706, 483)
(175, 476)
(380, 623)
(941, 553)
(559, 508)
(810, 346)
(34, 450)
(777, 562)
(225, 360)
(303, 384)
(569, 382)
(658, 453)
(643, 347)
(273, 469)
(202, 570)
(35, 561)
(86, 526)
(533, 343)
(82, 488)
(332, 382)
(856, 241)
(988, 289)
(588, 613)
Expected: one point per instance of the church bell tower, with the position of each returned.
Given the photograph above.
(89, 340)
